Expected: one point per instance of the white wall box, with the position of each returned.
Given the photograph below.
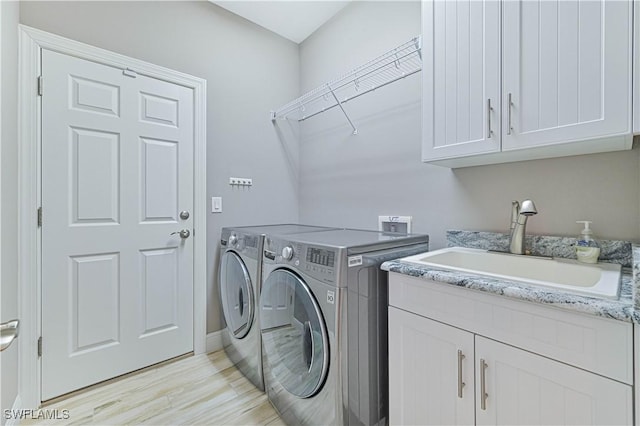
(519, 80)
(457, 356)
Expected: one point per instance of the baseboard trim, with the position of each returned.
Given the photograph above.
(214, 341)
(14, 420)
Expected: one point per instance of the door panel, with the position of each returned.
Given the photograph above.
(95, 177)
(461, 75)
(94, 96)
(424, 388)
(158, 110)
(95, 291)
(160, 286)
(117, 167)
(525, 389)
(567, 66)
(159, 171)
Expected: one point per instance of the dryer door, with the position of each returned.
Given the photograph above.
(296, 345)
(236, 294)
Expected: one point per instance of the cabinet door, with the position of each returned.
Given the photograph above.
(461, 78)
(566, 70)
(525, 389)
(428, 362)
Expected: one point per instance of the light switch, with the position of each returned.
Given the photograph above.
(216, 204)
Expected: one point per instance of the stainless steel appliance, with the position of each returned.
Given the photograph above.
(323, 318)
(239, 279)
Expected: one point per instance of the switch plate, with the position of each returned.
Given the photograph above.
(216, 204)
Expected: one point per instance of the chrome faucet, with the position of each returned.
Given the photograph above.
(519, 218)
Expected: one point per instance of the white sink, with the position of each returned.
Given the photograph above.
(600, 279)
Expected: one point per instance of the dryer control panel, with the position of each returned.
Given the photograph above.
(318, 262)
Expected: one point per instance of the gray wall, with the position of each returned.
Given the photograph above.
(249, 71)
(343, 180)
(350, 180)
(9, 12)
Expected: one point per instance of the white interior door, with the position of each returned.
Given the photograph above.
(117, 169)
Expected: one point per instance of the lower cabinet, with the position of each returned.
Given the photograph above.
(440, 374)
(430, 372)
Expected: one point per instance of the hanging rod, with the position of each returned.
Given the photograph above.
(394, 65)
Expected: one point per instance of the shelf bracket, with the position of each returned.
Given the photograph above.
(355, 131)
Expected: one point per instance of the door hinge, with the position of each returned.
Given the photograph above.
(40, 346)
(39, 217)
(40, 86)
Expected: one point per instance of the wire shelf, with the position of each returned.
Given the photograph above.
(392, 66)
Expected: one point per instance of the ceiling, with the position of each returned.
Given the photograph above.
(293, 19)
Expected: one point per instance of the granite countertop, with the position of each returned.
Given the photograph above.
(626, 308)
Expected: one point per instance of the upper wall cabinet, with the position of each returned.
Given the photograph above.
(519, 80)
(461, 78)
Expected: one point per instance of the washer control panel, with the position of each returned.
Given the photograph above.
(247, 244)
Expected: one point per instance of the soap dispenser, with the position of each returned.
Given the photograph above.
(587, 249)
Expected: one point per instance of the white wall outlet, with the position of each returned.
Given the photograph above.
(216, 204)
(401, 224)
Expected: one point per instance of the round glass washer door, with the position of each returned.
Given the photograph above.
(294, 335)
(236, 294)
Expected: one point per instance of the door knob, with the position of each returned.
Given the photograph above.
(8, 333)
(184, 234)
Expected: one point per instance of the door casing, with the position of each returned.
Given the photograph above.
(32, 41)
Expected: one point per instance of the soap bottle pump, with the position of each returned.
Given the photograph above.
(587, 249)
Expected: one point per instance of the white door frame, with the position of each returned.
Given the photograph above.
(32, 41)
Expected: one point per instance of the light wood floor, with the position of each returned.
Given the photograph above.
(203, 389)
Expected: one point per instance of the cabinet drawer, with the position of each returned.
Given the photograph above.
(597, 344)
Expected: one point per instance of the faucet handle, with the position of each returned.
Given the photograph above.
(515, 211)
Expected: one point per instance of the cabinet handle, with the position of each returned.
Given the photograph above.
(489, 109)
(509, 104)
(460, 382)
(483, 385)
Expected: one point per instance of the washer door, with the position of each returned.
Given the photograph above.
(296, 345)
(236, 293)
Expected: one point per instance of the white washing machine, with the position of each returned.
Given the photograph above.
(323, 316)
(240, 275)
